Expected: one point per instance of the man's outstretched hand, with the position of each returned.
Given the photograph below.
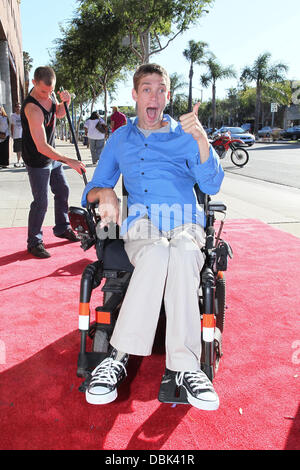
(191, 125)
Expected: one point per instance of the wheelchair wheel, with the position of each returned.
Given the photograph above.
(220, 303)
(100, 341)
(220, 307)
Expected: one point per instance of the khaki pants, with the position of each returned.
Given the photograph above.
(167, 265)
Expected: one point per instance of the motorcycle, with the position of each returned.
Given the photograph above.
(223, 142)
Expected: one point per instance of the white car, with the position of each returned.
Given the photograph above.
(238, 133)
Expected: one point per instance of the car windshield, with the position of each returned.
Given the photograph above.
(234, 130)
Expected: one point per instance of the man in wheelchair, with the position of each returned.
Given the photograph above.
(161, 161)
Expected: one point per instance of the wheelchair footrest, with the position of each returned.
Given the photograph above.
(169, 391)
(88, 361)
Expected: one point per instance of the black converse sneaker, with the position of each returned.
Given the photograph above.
(105, 379)
(199, 389)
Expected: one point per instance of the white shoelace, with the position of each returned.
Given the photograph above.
(197, 380)
(107, 372)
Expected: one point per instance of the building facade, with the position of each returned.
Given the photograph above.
(11, 55)
(292, 112)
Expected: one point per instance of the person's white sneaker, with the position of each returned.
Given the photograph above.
(199, 389)
(105, 379)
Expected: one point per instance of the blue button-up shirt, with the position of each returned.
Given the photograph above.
(159, 173)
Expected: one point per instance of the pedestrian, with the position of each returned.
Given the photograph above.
(16, 133)
(44, 164)
(117, 119)
(95, 136)
(4, 138)
(161, 161)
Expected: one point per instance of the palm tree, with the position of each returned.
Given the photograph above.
(195, 54)
(215, 72)
(176, 83)
(263, 73)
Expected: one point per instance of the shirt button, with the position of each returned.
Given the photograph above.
(142, 158)
(146, 190)
(142, 173)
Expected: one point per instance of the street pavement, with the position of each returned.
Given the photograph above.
(15, 192)
(274, 204)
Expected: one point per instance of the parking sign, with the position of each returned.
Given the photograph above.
(274, 107)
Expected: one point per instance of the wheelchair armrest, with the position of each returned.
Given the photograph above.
(81, 220)
(83, 224)
(216, 206)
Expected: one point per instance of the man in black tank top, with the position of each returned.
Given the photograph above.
(44, 164)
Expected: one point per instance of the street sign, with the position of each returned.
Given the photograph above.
(274, 107)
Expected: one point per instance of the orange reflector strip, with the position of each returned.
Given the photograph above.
(84, 309)
(103, 317)
(220, 275)
(208, 321)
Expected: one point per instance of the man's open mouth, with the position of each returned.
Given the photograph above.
(151, 113)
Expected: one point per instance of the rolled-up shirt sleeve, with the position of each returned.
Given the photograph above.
(209, 175)
(107, 172)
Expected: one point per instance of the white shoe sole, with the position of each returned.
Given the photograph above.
(203, 404)
(95, 399)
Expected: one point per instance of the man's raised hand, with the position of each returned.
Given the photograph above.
(191, 124)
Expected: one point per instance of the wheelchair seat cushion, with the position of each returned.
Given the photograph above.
(115, 257)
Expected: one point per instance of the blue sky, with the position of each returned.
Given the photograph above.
(235, 31)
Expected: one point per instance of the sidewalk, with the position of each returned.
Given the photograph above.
(15, 192)
(15, 195)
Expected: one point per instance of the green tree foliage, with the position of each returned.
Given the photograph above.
(148, 26)
(215, 72)
(90, 54)
(265, 75)
(176, 83)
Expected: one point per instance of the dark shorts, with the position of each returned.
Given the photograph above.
(17, 145)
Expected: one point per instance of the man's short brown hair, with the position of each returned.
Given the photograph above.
(45, 74)
(147, 69)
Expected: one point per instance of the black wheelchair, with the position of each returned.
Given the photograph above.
(113, 270)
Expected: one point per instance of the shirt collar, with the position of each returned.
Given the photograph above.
(174, 125)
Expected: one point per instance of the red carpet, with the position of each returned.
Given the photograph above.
(258, 380)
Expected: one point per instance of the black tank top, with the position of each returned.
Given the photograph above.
(30, 154)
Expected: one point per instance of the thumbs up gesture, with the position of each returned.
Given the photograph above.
(191, 124)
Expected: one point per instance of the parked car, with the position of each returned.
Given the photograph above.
(238, 133)
(268, 131)
(292, 133)
(209, 131)
(247, 127)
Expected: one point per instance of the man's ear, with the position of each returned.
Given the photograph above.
(134, 94)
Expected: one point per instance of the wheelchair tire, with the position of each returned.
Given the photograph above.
(100, 341)
(220, 303)
(220, 307)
